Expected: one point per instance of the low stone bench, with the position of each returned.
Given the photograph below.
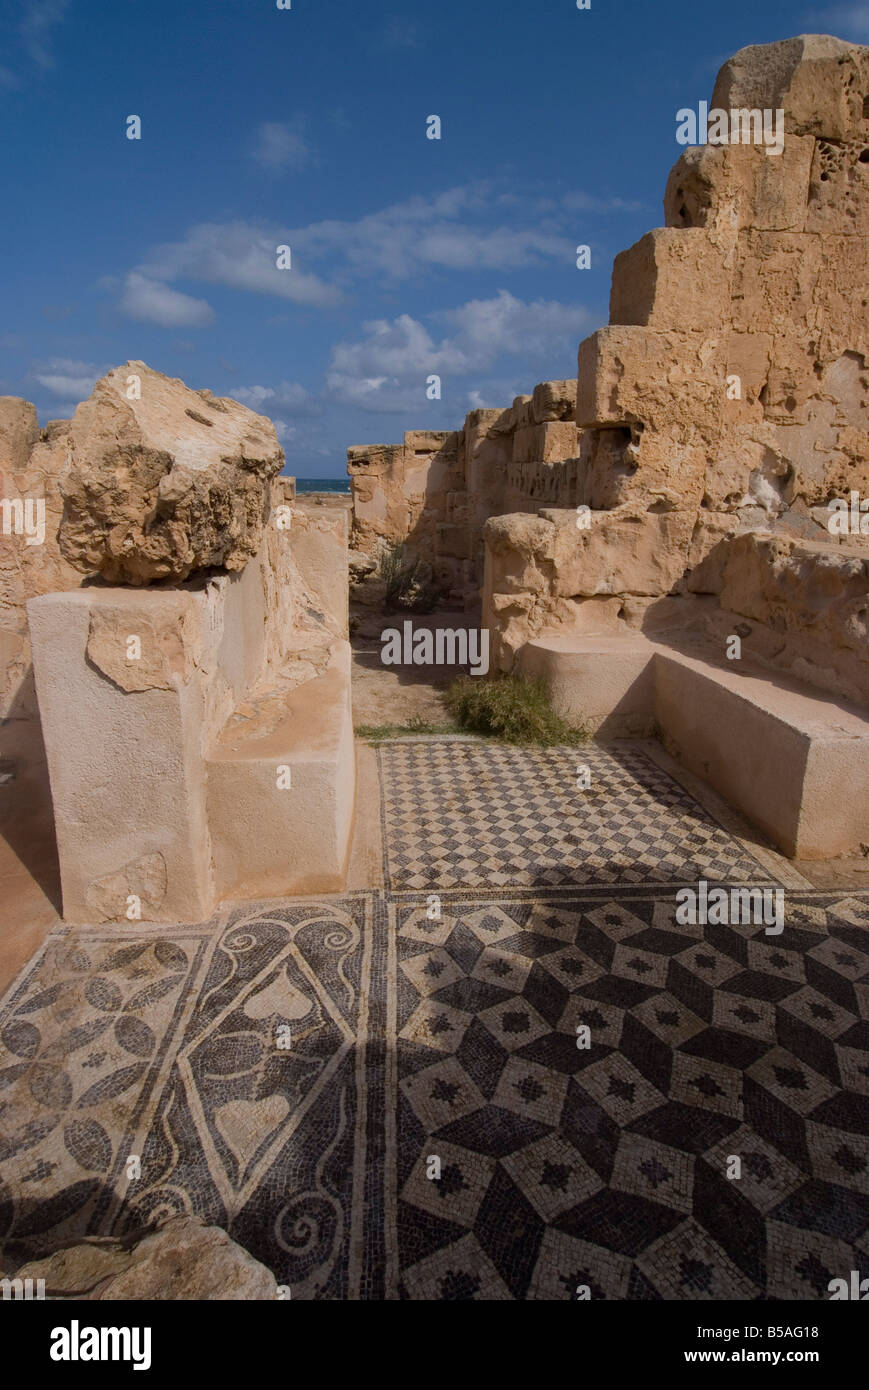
(793, 761)
(274, 833)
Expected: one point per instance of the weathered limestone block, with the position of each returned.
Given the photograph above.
(454, 542)
(650, 404)
(800, 607)
(842, 315)
(145, 879)
(554, 400)
(818, 80)
(749, 469)
(631, 375)
(711, 528)
(748, 359)
(821, 423)
(164, 655)
(373, 460)
(671, 279)
(318, 546)
(30, 466)
(18, 433)
(400, 491)
(554, 440)
(774, 282)
(724, 188)
(800, 586)
(540, 569)
(839, 190)
(379, 505)
(183, 1260)
(505, 421)
(625, 551)
(271, 837)
(164, 484)
(430, 441)
(127, 779)
(487, 454)
(806, 292)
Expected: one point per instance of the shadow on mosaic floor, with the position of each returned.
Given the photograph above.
(425, 1125)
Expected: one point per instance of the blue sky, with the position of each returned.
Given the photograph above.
(263, 127)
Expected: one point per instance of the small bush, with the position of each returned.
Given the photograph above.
(409, 583)
(512, 708)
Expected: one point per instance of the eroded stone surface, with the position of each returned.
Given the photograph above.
(137, 890)
(731, 388)
(142, 654)
(434, 493)
(164, 484)
(183, 1260)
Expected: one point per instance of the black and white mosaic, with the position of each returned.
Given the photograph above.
(611, 1166)
(382, 1097)
(229, 1062)
(483, 815)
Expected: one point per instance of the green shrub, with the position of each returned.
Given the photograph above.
(512, 708)
(409, 583)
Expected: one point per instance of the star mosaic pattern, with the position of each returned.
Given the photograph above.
(548, 1092)
(709, 1141)
(462, 814)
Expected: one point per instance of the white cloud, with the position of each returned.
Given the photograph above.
(37, 21)
(488, 327)
(241, 256)
(440, 231)
(281, 145)
(65, 377)
(154, 302)
(401, 240)
(845, 21)
(451, 231)
(387, 369)
(288, 396)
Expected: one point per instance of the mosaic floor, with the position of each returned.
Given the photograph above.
(473, 815)
(382, 1102)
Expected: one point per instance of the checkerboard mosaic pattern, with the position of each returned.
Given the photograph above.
(610, 1168)
(434, 1131)
(485, 815)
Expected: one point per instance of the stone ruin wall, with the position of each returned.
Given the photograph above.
(185, 618)
(303, 575)
(435, 492)
(727, 402)
(31, 462)
(715, 499)
(722, 409)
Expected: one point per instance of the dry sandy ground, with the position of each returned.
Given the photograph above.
(400, 694)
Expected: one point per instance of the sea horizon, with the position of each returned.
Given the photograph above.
(323, 485)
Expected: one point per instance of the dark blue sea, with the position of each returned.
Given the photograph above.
(322, 485)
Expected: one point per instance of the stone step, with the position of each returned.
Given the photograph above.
(794, 761)
(280, 791)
